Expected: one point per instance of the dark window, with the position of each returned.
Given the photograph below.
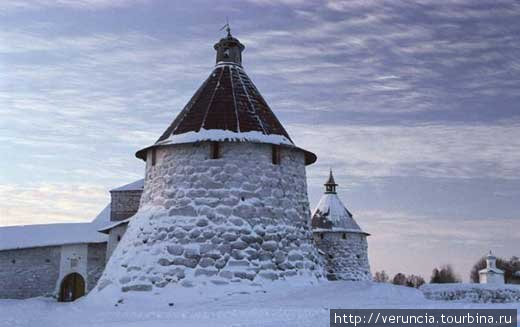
(344, 236)
(331, 256)
(321, 235)
(13, 261)
(215, 150)
(153, 157)
(118, 238)
(276, 154)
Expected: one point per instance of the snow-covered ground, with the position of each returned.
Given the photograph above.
(278, 306)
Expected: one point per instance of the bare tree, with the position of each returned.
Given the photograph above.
(444, 275)
(414, 281)
(399, 279)
(381, 277)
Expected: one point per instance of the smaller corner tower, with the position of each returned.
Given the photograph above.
(339, 238)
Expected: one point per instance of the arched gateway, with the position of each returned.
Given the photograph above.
(72, 287)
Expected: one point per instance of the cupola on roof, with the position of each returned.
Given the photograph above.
(227, 107)
(331, 214)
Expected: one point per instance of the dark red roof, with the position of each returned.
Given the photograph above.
(228, 103)
(227, 100)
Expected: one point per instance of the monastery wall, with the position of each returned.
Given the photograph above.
(31, 272)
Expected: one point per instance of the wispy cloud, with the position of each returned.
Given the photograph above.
(445, 151)
(75, 4)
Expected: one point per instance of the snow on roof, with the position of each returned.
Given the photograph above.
(332, 215)
(106, 229)
(491, 270)
(30, 236)
(225, 135)
(134, 186)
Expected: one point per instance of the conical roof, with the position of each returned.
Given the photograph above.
(227, 107)
(331, 214)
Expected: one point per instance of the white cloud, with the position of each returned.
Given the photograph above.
(50, 203)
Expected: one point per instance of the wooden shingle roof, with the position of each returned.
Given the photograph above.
(227, 100)
(227, 107)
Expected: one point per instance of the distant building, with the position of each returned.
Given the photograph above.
(339, 238)
(491, 274)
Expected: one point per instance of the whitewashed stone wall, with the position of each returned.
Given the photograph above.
(31, 272)
(234, 219)
(73, 260)
(345, 259)
(95, 263)
(26, 273)
(114, 237)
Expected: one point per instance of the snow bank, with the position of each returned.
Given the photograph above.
(476, 293)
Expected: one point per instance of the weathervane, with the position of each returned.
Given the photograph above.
(227, 27)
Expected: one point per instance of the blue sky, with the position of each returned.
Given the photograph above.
(414, 104)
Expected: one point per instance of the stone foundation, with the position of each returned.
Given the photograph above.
(236, 219)
(345, 259)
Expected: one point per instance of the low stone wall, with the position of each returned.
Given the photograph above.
(345, 259)
(27, 273)
(476, 293)
(95, 263)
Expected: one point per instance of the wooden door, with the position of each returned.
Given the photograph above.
(72, 288)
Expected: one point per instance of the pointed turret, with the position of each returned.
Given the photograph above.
(330, 185)
(331, 213)
(340, 239)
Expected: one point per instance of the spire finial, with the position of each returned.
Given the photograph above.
(229, 49)
(330, 185)
(227, 27)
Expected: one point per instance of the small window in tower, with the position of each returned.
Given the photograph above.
(344, 236)
(321, 235)
(118, 238)
(153, 157)
(276, 154)
(215, 150)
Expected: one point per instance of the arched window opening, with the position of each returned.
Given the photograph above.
(72, 287)
(275, 154)
(154, 157)
(344, 236)
(215, 150)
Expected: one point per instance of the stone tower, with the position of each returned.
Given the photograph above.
(225, 195)
(339, 238)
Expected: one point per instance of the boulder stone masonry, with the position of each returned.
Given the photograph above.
(238, 218)
(340, 239)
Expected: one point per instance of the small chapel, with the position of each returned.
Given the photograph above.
(223, 202)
